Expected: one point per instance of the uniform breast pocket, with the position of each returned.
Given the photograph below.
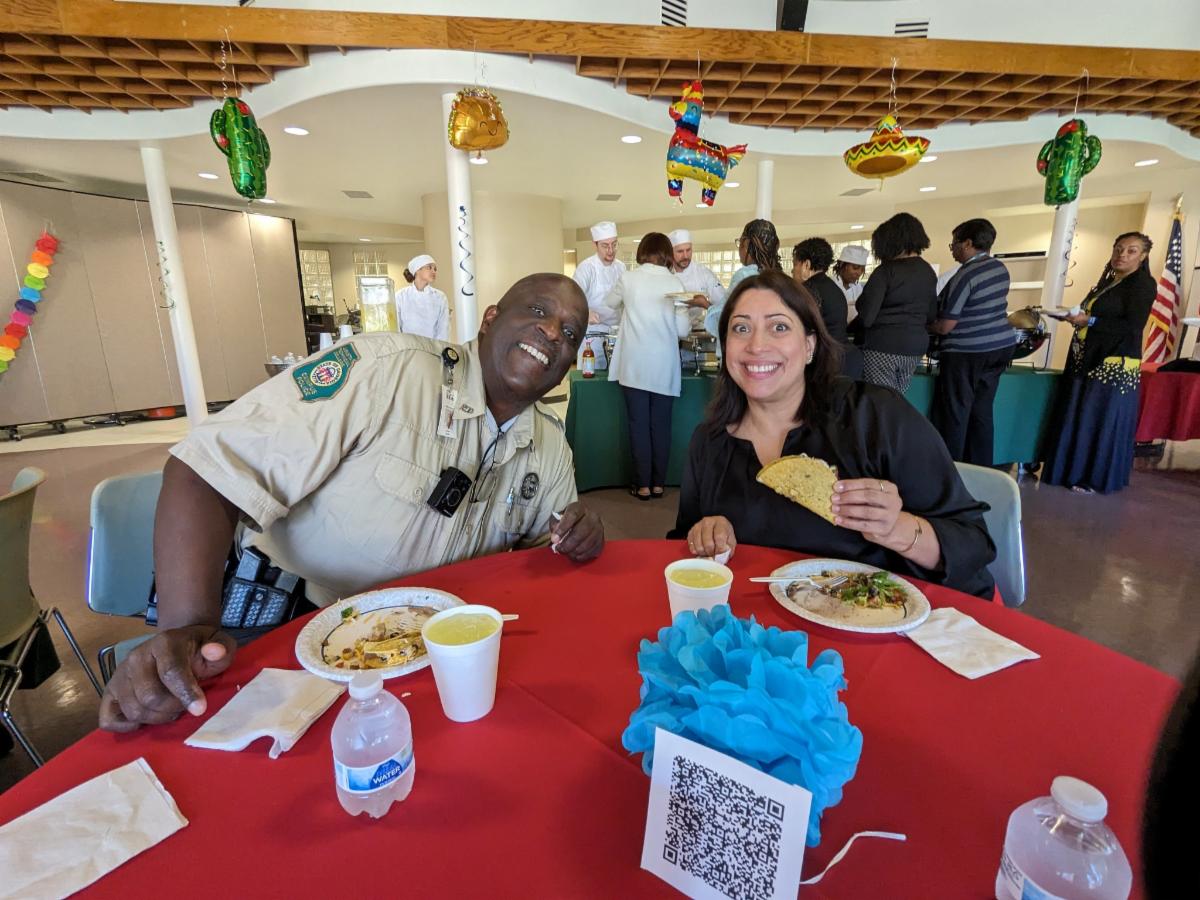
(513, 519)
(405, 480)
(403, 527)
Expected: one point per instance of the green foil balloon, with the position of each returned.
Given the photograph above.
(238, 136)
(1065, 160)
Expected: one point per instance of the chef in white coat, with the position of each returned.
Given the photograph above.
(421, 308)
(696, 277)
(598, 275)
(848, 273)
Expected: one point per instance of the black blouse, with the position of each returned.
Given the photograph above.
(1121, 313)
(896, 306)
(832, 302)
(871, 432)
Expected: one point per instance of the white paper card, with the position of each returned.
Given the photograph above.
(717, 827)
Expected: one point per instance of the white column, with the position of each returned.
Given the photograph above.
(462, 234)
(166, 235)
(1058, 256)
(766, 187)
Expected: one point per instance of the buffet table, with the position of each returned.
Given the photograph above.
(539, 799)
(599, 434)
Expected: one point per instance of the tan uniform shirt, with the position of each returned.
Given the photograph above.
(331, 463)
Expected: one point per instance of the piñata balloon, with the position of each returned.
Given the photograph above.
(889, 151)
(689, 155)
(1066, 159)
(476, 122)
(238, 136)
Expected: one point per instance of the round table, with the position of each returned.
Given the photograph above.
(539, 799)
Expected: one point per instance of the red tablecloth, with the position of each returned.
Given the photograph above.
(540, 800)
(1169, 406)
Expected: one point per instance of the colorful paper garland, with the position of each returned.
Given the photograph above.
(38, 270)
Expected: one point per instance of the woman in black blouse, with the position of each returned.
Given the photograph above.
(897, 304)
(811, 259)
(900, 504)
(1092, 432)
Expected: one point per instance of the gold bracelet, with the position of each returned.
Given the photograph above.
(916, 537)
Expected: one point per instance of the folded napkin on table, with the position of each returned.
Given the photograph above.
(69, 842)
(960, 643)
(277, 703)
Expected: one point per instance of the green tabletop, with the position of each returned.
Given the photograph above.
(599, 434)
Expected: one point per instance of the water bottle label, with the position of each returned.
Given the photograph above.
(1019, 885)
(369, 779)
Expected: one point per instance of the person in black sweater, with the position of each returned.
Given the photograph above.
(897, 304)
(1095, 418)
(811, 260)
(900, 504)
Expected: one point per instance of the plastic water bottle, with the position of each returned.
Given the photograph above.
(1059, 847)
(373, 764)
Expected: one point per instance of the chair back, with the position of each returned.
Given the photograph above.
(1003, 520)
(121, 559)
(18, 608)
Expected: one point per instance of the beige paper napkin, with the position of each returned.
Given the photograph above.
(69, 842)
(960, 643)
(277, 703)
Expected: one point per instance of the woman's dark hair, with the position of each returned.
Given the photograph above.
(762, 244)
(1107, 276)
(902, 233)
(980, 232)
(409, 276)
(816, 251)
(729, 403)
(655, 248)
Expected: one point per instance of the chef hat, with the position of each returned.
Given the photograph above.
(680, 236)
(604, 231)
(418, 262)
(853, 254)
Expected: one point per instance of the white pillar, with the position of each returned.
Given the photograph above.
(1058, 256)
(462, 234)
(166, 234)
(766, 187)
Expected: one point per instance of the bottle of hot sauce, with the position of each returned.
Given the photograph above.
(589, 361)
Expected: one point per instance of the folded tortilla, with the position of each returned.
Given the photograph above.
(803, 479)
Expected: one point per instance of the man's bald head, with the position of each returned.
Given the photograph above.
(568, 291)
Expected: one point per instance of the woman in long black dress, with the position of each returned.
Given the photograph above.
(1092, 432)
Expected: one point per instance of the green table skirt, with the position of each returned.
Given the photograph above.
(598, 432)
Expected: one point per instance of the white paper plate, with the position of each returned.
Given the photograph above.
(851, 618)
(310, 643)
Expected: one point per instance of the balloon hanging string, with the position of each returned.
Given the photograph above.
(1083, 86)
(892, 100)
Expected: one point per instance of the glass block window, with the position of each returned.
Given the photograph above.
(722, 262)
(317, 277)
(370, 262)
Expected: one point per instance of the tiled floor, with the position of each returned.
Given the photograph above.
(1121, 570)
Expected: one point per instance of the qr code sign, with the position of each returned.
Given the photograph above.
(722, 832)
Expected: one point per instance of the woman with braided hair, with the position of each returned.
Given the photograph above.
(758, 250)
(1091, 436)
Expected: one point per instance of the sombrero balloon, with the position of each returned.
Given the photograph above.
(37, 271)
(889, 152)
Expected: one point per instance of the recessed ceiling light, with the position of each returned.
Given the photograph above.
(480, 160)
(296, 130)
(265, 200)
(1146, 162)
(857, 227)
(701, 206)
(365, 240)
(927, 189)
(733, 184)
(631, 139)
(929, 158)
(208, 175)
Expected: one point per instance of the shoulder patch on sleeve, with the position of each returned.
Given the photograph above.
(326, 375)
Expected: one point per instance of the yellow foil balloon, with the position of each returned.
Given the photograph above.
(37, 269)
(476, 121)
(887, 153)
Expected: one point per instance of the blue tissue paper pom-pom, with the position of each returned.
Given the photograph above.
(748, 691)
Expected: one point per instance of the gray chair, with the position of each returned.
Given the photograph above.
(21, 616)
(121, 558)
(1000, 492)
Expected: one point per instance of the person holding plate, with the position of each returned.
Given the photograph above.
(899, 503)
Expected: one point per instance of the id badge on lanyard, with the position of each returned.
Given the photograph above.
(449, 394)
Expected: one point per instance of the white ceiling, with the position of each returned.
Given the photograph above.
(390, 141)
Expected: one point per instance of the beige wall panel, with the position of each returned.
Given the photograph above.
(65, 332)
(154, 277)
(21, 396)
(119, 273)
(235, 297)
(209, 339)
(277, 270)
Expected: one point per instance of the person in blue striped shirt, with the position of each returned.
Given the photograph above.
(976, 344)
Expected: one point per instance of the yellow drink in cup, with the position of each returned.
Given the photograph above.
(464, 628)
(463, 644)
(698, 578)
(696, 584)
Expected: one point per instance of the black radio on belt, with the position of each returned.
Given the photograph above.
(450, 492)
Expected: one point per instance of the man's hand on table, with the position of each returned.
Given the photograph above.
(161, 677)
(578, 534)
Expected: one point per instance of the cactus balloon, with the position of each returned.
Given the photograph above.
(1065, 160)
(238, 136)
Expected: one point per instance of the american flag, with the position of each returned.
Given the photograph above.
(1164, 315)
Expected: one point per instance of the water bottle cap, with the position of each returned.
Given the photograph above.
(1079, 799)
(366, 685)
